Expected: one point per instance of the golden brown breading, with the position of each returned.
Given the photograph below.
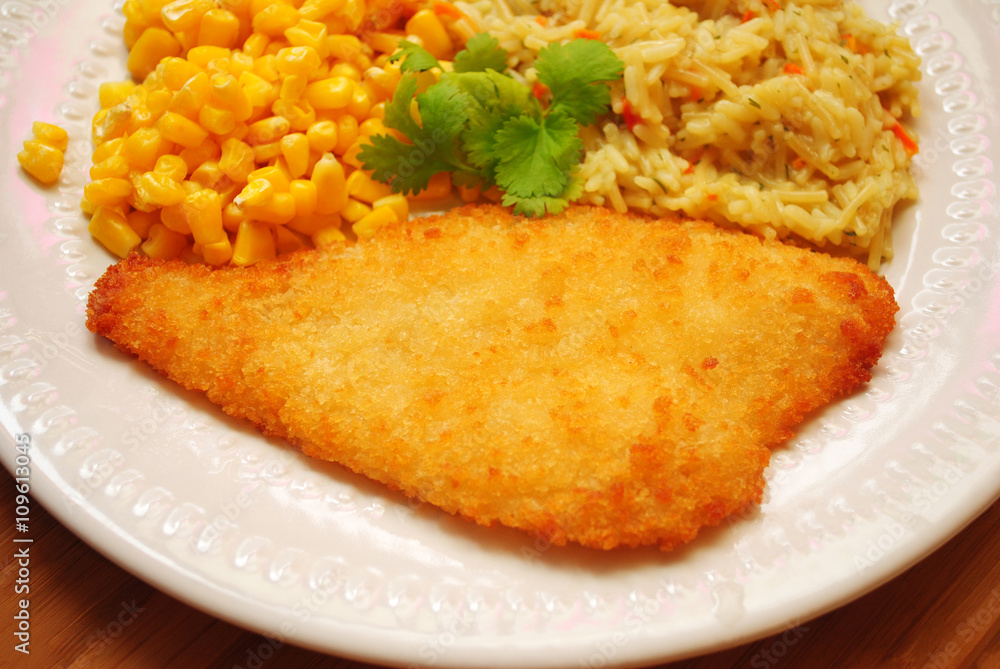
(592, 377)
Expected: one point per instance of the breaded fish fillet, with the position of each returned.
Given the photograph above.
(591, 377)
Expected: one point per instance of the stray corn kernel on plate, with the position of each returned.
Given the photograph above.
(251, 531)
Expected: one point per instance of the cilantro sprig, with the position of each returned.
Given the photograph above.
(488, 128)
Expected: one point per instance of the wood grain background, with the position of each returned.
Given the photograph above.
(944, 613)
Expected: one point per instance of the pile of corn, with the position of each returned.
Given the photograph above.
(241, 141)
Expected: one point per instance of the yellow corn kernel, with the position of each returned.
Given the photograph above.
(195, 156)
(181, 130)
(114, 167)
(277, 178)
(314, 10)
(110, 191)
(469, 193)
(268, 130)
(330, 93)
(354, 211)
(192, 96)
(184, 15)
(216, 121)
(232, 216)
(256, 193)
(377, 111)
(309, 33)
(153, 45)
(254, 242)
(240, 62)
(237, 160)
(111, 229)
(361, 186)
(258, 91)
(345, 47)
(361, 102)
(229, 93)
(218, 253)
(203, 213)
(353, 13)
(275, 19)
(110, 148)
(208, 175)
(203, 55)
(300, 60)
(163, 243)
(322, 136)
(309, 224)
(142, 221)
(351, 157)
(256, 44)
(177, 71)
(295, 149)
(50, 135)
(347, 133)
(112, 93)
(426, 25)
(370, 127)
(397, 202)
(382, 81)
(304, 193)
(287, 241)
(158, 190)
(371, 223)
(144, 146)
(293, 86)
(173, 218)
(265, 153)
(385, 42)
(331, 185)
(438, 187)
(328, 237)
(171, 166)
(219, 27)
(41, 161)
(299, 113)
(141, 117)
(278, 211)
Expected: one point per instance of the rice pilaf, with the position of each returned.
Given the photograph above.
(783, 119)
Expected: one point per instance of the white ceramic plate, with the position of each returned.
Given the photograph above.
(247, 529)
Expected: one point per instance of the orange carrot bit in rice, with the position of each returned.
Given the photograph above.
(447, 9)
(583, 33)
(628, 114)
(712, 197)
(792, 68)
(773, 4)
(908, 142)
(692, 161)
(695, 93)
(748, 15)
(798, 163)
(540, 90)
(542, 20)
(849, 41)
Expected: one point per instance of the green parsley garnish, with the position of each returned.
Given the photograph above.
(488, 128)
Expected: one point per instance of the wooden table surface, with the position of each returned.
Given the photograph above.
(86, 612)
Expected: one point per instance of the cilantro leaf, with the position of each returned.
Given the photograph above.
(537, 155)
(575, 73)
(397, 109)
(482, 52)
(400, 165)
(539, 206)
(409, 167)
(415, 57)
(494, 98)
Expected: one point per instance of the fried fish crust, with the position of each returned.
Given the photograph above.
(593, 377)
